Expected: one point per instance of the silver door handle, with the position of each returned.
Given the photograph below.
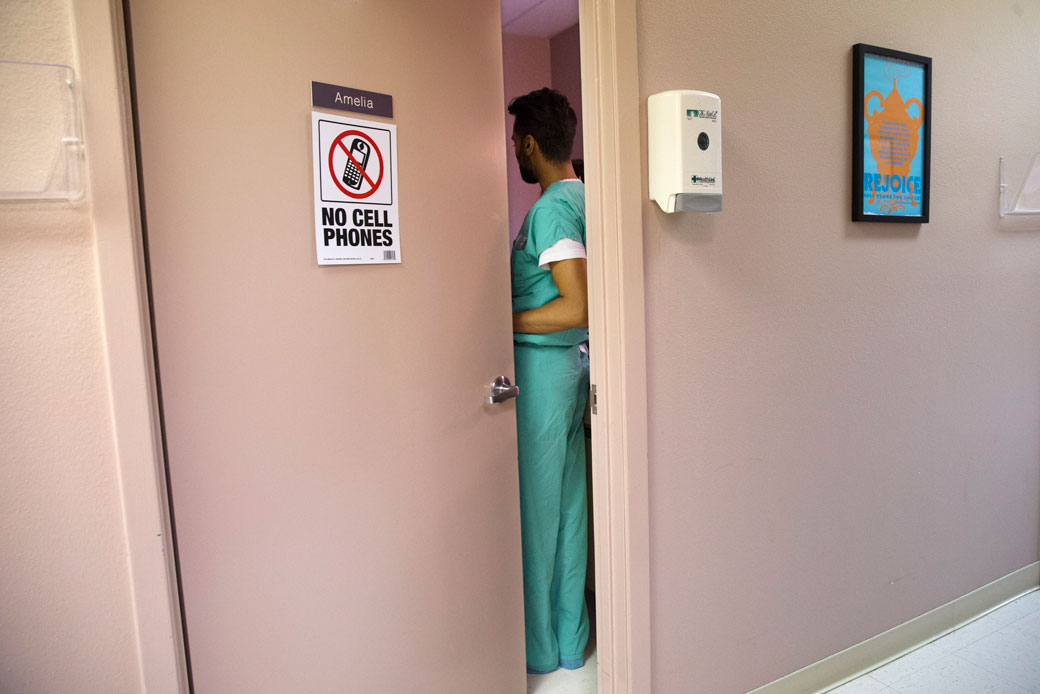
(502, 390)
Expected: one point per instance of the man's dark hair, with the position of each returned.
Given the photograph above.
(547, 116)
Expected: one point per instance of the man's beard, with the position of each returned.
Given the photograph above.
(527, 172)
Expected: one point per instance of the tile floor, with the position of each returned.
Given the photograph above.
(998, 653)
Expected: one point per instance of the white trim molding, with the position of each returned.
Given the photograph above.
(128, 344)
(617, 339)
(871, 654)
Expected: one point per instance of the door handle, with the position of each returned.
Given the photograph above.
(502, 390)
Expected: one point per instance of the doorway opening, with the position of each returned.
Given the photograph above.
(541, 48)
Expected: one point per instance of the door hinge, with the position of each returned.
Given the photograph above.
(592, 395)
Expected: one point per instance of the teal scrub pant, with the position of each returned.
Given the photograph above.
(554, 387)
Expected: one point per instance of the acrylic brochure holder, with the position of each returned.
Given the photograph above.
(1026, 200)
(41, 149)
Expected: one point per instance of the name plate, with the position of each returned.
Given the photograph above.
(355, 100)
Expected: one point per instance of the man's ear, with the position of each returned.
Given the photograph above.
(529, 145)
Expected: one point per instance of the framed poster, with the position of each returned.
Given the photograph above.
(891, 135)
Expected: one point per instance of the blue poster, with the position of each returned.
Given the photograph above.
(893, 134)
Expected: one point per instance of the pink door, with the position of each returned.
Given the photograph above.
(345, 501)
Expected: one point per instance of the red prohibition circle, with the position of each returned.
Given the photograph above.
(338, 142)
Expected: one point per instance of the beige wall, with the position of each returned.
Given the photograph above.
(843, 417)
(66, 620)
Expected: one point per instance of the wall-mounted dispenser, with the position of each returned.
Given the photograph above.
(685, 150)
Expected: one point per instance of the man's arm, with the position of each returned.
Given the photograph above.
(569, 310)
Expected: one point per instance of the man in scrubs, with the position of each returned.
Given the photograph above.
(550, 327)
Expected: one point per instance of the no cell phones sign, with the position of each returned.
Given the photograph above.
(355, 191)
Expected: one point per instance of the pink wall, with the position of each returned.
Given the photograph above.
(529, 63)
(565, 61)
(526, 67)
(843, 417)
(66, 617)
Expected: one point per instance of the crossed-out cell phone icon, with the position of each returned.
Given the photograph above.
(359, 150)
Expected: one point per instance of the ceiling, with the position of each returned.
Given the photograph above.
(545, 18)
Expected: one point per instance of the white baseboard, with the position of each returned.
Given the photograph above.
(871, 654)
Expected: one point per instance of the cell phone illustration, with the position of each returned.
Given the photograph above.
(359, 149)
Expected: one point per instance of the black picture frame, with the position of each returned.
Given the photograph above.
(888, 148)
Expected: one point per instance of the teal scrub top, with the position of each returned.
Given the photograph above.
(558, 214)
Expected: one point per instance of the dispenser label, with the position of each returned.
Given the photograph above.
(712, 115)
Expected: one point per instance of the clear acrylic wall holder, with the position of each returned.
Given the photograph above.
(1027, 196)
(41, 148)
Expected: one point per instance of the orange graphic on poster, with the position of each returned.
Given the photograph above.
(893, 135)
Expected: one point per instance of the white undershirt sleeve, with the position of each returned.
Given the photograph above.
(564, 249)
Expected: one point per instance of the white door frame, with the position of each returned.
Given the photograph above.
(111, 161)
(610, 101)
(617, 335)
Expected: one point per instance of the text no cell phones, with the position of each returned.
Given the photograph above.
(359, 150)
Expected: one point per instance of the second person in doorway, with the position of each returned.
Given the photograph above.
(550, 327)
